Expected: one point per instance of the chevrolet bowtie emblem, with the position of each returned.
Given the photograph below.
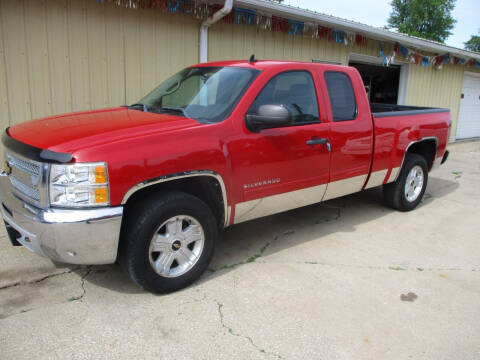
(7, 168)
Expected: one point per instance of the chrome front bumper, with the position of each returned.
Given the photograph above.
(87, 237)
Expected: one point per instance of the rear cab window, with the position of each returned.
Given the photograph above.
(342, 96)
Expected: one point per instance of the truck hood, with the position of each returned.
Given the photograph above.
(69, 132)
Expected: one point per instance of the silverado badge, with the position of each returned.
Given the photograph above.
(261, 183)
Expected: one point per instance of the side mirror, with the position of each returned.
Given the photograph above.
(269, 116)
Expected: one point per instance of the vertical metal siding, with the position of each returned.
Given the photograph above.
(4, 98)
(59, 56)
(428, 86)
(67, 55)
(227, 41)
(16, 66)
(79, 59)
(37, 48)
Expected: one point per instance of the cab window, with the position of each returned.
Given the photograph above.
(342, 97)
(295, 91)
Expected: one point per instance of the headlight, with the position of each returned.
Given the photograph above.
(79, 185)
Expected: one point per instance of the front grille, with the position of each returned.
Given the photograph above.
(28, 167)
(26, 179)
(26, 190)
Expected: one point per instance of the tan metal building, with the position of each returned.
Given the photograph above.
(59, 56)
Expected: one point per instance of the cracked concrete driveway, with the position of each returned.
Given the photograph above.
(347, 279)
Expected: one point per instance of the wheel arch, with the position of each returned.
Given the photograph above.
(207, 185)
(426, 147)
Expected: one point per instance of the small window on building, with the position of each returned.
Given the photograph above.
(342, 97)
(295, 91)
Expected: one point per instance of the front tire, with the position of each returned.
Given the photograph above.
(407, 192)
(169, 241)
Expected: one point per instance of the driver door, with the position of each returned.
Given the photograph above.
(278, 169)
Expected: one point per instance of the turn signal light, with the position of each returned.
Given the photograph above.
(100, 175)
(101, 195)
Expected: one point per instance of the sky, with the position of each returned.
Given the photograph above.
(376, 12)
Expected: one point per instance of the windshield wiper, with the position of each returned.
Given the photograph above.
(144, 107)
(174, 109)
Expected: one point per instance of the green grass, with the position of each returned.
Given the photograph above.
(458, 174)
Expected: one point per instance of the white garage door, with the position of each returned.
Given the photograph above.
(469, 116)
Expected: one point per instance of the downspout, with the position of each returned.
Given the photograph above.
(203, 48)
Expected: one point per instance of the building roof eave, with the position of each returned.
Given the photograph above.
(372, 32)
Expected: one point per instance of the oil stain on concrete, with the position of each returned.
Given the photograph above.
(409, 297)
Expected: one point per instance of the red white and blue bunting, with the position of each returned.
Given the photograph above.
(201, 9)
(437, 61)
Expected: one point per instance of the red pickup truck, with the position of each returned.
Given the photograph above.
(217, 144)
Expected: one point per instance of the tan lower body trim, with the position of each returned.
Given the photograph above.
(344, 187)
(376, 178)
(274, 204)
(393, 175)
(270, 205)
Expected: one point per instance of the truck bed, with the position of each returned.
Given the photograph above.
(384, 110)
(396, 128)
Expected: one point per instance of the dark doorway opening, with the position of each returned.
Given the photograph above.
(381, 83)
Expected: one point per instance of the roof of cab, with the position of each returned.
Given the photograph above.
(265, 64)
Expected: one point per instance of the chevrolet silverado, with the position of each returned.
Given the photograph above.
(151, 184)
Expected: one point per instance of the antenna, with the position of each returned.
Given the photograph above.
(252, 59)
(326, 62)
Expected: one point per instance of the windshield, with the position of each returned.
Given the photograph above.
(206, 94)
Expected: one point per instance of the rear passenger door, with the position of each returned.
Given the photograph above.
(282, 168)
(351, 133)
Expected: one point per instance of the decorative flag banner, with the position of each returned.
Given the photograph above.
(396, 49)
(473, 63)
(280, 24)
(338, 36)
(349, 38)
(439, 61)
(387, 60)
(201, 9)
(323, 32)
(310, 29)
(383, 56)
(264, 22)
(360, 39)
(295, 27)
(244, 16)
(458, 61)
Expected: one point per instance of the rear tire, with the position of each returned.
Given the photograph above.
(168, 242)
(407, 192)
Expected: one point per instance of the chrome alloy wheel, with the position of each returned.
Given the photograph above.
(414, 183)
(176, 246)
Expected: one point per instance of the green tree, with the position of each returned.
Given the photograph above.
(429, 19)
(474, 43)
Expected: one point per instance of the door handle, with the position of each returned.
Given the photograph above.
(319, 141)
